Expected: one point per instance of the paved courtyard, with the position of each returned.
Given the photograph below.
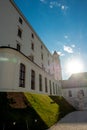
(73, 121)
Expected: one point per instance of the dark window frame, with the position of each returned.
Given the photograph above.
(42, 56)
(56, 89)
(32, 79)
(19, 33)
(20, 20)
(22, 75)
(32, 35)
(46, 87)
(32, 46)
(70, 93)
(42, 47)
(31, 58)
(82, 92)
(50, 87)
(18, 47)
(53, 88)
(40, 82)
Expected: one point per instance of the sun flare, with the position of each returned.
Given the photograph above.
(74, 66)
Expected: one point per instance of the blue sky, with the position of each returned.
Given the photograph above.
(61, 25)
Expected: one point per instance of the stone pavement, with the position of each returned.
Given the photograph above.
(74, 121)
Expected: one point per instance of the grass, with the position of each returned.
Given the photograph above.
(50, 108)
(41, 111)
(42, 104)
(64, 106)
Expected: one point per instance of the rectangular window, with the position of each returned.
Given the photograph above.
(56, 89)
(46, 90)
(40, 82)
(70, 93)
(53, 88)
(50, 86)
(32, 46)
(82, 92)
(33, 79)
(20, 20)
(22, 76)
(32, 35)
(19, 32)
(31, 58)
(42, 56)
(18, 47)
(41, 47)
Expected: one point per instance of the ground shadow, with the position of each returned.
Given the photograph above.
(18, 118)
(64, 107)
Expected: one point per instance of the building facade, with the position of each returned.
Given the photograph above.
(25, 62)
(75, 90)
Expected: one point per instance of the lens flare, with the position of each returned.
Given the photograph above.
(74, 66)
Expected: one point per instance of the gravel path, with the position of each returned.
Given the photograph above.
(73, 121)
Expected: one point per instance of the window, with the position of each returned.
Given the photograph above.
(42, 56)
(33, 79)
(22, 76)
(53, 88)
(20, 20)
(50, 86)
(46, 90)
(40, 82)
(32, 35)
(31, 57)
(70, 93)
(19, 32)
(56, 89)
(18, 47)
(43, 67)
(41, 47)
(32, 46)
(82, 92)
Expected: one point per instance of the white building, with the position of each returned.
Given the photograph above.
(25, 62)
(75, 90)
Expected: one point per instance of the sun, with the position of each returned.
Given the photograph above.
(74, 66)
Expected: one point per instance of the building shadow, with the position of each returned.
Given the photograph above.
(18, 118)
(64, 107)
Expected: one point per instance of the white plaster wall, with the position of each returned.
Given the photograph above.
(10, 60)
(78, 101)
(9, 24)
(7, 71)
(74, 91)
(8, 32)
